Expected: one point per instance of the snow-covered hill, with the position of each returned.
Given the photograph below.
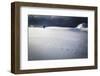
(82, 27)
(56, 43)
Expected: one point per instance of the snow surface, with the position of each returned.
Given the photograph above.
(57, 43)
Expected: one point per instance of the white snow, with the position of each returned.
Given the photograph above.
(56, 43)
(81, 27)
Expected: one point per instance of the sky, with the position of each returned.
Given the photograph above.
(59, 21)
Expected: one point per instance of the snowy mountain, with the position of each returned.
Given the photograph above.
(82, 27)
